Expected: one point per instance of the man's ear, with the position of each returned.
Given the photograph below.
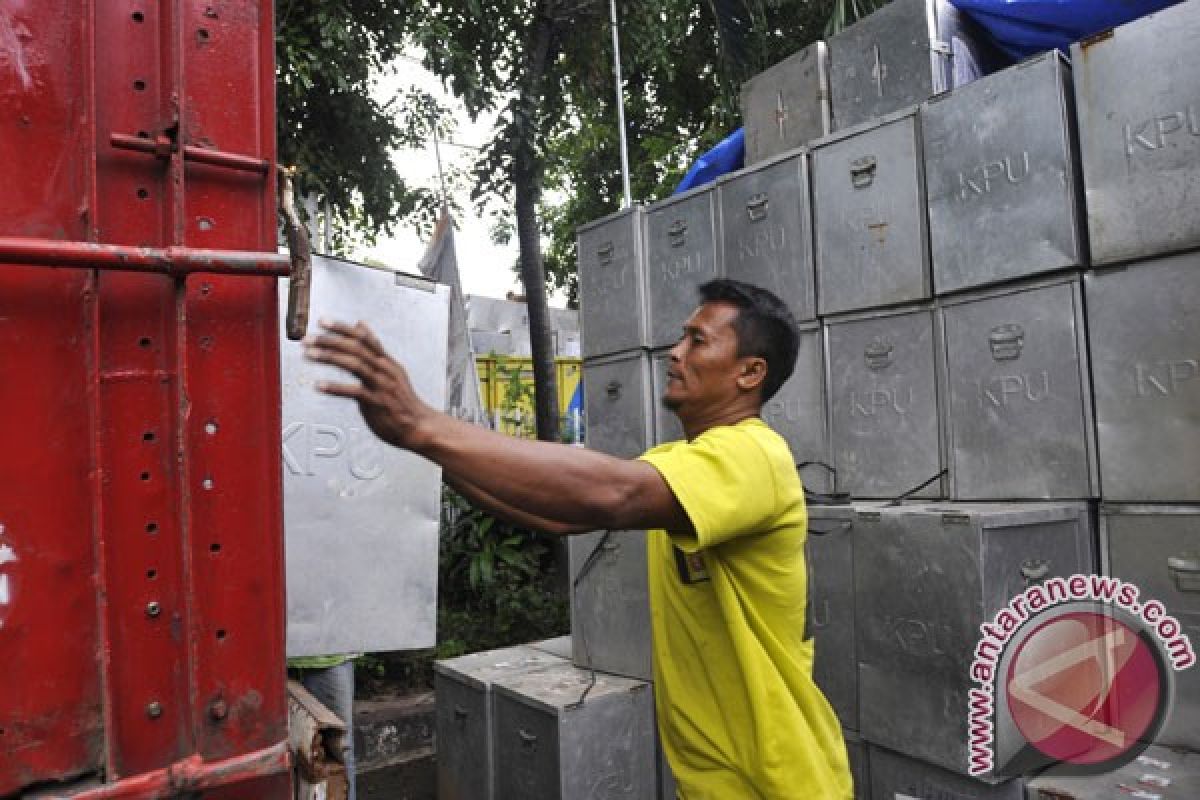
(752, 374)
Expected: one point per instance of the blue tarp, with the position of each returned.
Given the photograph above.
(727, 156)
(1024, 27)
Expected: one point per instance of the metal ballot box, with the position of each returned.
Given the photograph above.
(860, 764)
(898, 777)
(884, 422)
(1139, 134)
(1144, 334)
(551, 746)
(1002, 175)
(610, 606)
(465, 748)
(904, 53)
(681, 254)
(766, 231)
(1157, 548)
(1018, 399)
(798, 411)
(830, 612)
(925, 578)
(872, 241)
(611, 283)
(787, 105)
(361, 518)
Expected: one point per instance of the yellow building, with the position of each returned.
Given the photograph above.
(506, 383)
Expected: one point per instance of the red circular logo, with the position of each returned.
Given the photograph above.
(1085, 688)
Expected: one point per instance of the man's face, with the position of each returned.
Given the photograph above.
(703, 366)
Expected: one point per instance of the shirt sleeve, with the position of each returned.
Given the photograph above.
(724, 482)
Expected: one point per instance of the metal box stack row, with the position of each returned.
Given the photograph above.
(996, 290)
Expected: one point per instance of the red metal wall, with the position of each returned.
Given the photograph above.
(141, 569)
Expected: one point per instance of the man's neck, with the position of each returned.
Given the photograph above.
(693, 427)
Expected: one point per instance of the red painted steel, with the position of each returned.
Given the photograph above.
(142, 622)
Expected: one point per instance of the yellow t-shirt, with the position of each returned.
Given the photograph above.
(739, 714)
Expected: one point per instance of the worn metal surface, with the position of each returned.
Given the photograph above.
(681, 254)
(552, 748)
(898, 777)
(925, 578)
(1173, 775)
(1018, 399)
(1002, 176)
(872, 240)
(830, 620)
(612, 283)
(798, 411)
(145, 516)
(1143, 331)
(902, 54)
(766, 231)
(466, 763)
(787, 105)
(860, 764)
(617, 403)
(361, 518)
(1157, 548)
(1137, 94)
(884, 428)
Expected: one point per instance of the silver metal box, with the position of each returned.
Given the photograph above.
(797, 412)
(872, 242)
(465, 762)
(553, 748)
(681, 254)
(1157, 548)
(1137, 91)
(610, 603)
(925, 578)
(884, 423)
(787, 105)
(830, 615)
(766, 231)
(1002, 176)
(559, 646)
(1144, 333)
(667, 427)
(1018, 400)
(897, 777)
(360, 517)
(1174, 775)
(611, 290)
(904, 53)
(616, 392)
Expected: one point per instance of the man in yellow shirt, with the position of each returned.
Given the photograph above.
(739, 714)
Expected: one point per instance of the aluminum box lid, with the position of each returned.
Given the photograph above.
(480, 670)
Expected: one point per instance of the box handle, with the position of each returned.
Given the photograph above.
(605, 253)
(1035, 569)
(528, 740)
(460, 713)
(1185, 571)
(613, 390)
(862, 171)
(677, 233)
(756, 207)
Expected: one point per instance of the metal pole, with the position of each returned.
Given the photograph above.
(612, 7)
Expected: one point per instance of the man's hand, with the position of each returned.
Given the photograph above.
(385, 395)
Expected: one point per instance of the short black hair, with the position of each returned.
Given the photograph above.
(765, 328)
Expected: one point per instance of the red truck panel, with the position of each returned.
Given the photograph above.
(141, 561)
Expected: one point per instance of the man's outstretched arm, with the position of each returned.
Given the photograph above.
(482, 500)
(569, 486)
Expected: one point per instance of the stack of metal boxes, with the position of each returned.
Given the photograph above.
(996, 287)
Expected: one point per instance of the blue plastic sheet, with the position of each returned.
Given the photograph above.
(1024, 27)
(727, 156)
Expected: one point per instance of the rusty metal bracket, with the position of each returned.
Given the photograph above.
(177, 261)
(162, 146)
(300, 280)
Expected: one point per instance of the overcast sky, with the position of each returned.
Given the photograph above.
(486, 268)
